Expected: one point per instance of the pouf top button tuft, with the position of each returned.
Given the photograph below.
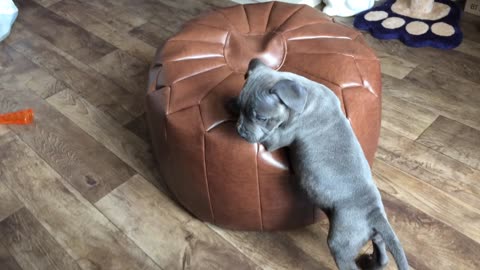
(210, 170)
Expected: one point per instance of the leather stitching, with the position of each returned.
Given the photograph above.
(246, 16)
(315, 76)
(289, 17)
(198, 73)
(270, 16)
(285, 50)
(225, 45)
(327, 53)
(310, 24)
(196, 41)
(205, 176)
(211, 89)
(268, 20)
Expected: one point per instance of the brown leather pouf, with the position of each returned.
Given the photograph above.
(216, 175)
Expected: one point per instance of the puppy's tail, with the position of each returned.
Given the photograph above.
(391, 242)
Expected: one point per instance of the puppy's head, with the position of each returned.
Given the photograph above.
(267, 103)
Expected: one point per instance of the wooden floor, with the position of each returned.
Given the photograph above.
(78, 189)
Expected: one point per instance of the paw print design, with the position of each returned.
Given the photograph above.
(417, 23)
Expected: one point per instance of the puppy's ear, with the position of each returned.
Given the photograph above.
(291, 93)
(233, 106)
(255, 62)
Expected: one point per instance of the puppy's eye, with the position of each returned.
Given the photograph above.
(261, 118)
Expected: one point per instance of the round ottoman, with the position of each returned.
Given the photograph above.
(212, 172)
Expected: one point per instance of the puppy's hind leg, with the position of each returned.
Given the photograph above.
(379, 250)
(344, 254)
(344, 246)
(378, 259)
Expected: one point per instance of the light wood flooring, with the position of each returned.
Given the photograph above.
(78, 189)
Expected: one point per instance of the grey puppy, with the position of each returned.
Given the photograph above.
(281, 109)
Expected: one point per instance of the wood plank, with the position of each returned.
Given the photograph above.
(87, 236)
(209, 4)
(152, 34)
(417, 88)
(99, 21)
(453, 62)
(102, 93)
(139, 127)
(16, 69)
(40, 82)
(395, 66)
(10, 203)
(432, 167)
(4, 130)
(405, 118)
(463, 217)
(277, 251)
(469, 24)
(161, 24)
(128, 147)
(154, 10)
(428, 243)
(85, 163)
(108, 12)
(35, 79)
(63, 34)
(167, 18)
(469, 47)
(169, 235)
(7, 262)
(313, 241)
(453, 139)
(124, 70)
(31, 245)
(12, 62)
(451, 86)
(47, 3)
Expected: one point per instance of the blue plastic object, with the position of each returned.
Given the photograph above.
(423, 40)
(8, 14)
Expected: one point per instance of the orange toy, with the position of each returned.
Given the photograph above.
(22, 117)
